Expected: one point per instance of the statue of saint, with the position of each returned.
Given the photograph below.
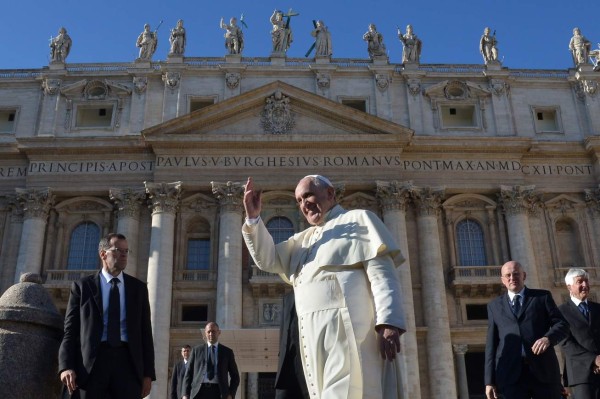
(147, 41)
(60, 46)
(487, 46)
(580, 48)
(281, 34)
(374, 41)
(234, 36)
(411, 51)
(177, 39)
(322, 37)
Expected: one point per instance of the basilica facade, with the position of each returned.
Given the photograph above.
(469, 166)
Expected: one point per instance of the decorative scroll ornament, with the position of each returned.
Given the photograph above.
(164, 197)
(456, 90)
(323, 81)
(51, 86)
(277, 117)
(414, 86)
(498, 86)
(383, 81)
(140, 83)
(36, 203)
(232, 79)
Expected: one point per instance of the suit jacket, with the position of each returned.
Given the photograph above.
(177, 380)
(290, 381)
(226, 366)
(582, 345)
(84, 325)
(508, 334)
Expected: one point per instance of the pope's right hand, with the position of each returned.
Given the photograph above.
(252, 200)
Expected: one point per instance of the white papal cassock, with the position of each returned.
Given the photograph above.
(345, 283)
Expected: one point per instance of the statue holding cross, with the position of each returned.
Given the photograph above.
(281, 34)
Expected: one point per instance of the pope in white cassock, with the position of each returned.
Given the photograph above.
(347, 290)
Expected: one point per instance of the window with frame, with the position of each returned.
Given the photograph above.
(457, 116)
(280, 228)
(7, 120)
(470, 243)
(359, 104)
(194, 313)
(90, 116)
(199, 103)
(198, 254)
(83, 247)
(546, 120)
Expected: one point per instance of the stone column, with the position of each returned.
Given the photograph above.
(491, 225)
(164, 198)
(461, 369)
(128, 202)
(36, 204)
(10, 242)
(517, 202)
(592, 199)
(229, 274)
(393, 198)
(442, 382)
(252, 379)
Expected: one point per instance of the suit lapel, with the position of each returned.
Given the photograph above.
(527, 299)
(97, 293)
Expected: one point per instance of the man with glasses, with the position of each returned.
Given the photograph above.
(107, 348)
(524, 324)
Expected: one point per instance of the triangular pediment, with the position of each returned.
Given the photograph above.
(310, 117)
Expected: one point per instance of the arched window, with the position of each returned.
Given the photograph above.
(198, 254)
(83, 247)
(281, 228)
(470, 243)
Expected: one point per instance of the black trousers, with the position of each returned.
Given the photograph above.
(113, 376)
(529, 387)
(209, 391)
(585, 391)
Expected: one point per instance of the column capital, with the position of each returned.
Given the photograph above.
(36, 203)
(518, 199)
(128, 201)
(592, 200)
(230, 195)
(460, 349)
(428, 199)
(164, 197)
(393, 195)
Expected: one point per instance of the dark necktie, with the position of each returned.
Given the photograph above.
(211, 365)
(113, 329)
(517, 304)
(583, 308)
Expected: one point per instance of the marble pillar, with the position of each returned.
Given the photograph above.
(461, 369)
(128, 203)
(393, 198)
(36, 205)
(442, 381)
(164, 198)
(229, 275)
(252, 379)
(592, 199)
(517, 202)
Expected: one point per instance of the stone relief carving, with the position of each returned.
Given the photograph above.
(171, 79)
(383, 81)
(590, 87)
(414, 86)
(456, 90)
(323, 81)
(233, 79)
(164, 197)
(95, 90)
(140, 83)
(51, 86)
(277, 117)
(498, 86)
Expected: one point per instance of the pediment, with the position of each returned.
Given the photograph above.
(91, 89)
(293, 114)
(456, 90)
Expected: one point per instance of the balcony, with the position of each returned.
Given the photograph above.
(266, 284)
(475, 281)
(561, 272)
(195, 275)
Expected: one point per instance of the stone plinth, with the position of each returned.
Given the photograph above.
(30, 335)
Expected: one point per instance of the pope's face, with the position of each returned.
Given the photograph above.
(314, 201)
(580, 288)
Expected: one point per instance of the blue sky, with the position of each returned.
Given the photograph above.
(531, 33)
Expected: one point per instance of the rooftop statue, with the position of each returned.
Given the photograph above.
(323, 47)
(411, 51)
(487, 46)
(281, 34)
(147, 42)
(177, 39)
(234, 36)
(374, 41)
(580, 47)
(60, 46)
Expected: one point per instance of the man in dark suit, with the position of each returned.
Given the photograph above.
(179, 372)
(523, 326)
(212, 372)
(107, 350)
(581, 349)
(289, 382)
